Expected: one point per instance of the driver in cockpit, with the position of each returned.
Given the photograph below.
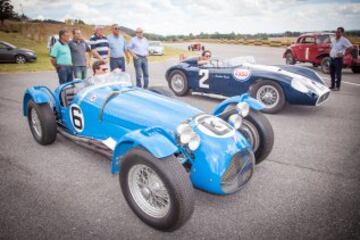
(205, 58)
(99, 68)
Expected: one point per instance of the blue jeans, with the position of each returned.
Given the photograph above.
(65, 73)
(141, 70)
(336, 65)
(117, 63)
(80, 72)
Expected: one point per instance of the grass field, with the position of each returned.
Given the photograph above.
(43, 62)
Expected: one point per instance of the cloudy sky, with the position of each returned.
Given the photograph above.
(195, 16)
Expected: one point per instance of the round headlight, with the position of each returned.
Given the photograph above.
(243, 108)
(182, 128)
(235, 120)
(194, 142)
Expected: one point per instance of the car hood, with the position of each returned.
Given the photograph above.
(139, 108)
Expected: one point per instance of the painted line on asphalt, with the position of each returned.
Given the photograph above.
(351, 83)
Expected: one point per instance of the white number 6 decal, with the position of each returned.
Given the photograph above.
(204, 76)
(77, 118)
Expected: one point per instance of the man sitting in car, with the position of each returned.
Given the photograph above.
(205, 58)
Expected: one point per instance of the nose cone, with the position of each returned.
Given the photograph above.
(222, 165)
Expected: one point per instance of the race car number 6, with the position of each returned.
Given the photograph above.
(204, 76)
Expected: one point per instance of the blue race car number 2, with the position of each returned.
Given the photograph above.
(204, 77)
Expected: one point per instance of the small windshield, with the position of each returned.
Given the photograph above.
(233, 62)
(154, 44)
(116, 77)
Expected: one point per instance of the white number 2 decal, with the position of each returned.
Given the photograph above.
(204, 76)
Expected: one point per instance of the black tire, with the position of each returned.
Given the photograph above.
(257, 88)
(175, 180)
(325, 65)
(162, 91)
(289, 58)
(20, 59)
(47, 121)
(178, 75)
(355, 69)
(256, 125)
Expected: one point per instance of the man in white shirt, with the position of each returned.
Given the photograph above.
(338, 47)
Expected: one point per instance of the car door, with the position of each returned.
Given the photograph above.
(4, 53)
(297, 48)
(309, 48)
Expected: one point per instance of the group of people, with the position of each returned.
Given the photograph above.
(71, 58)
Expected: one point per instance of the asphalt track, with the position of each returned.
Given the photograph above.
(308, 188)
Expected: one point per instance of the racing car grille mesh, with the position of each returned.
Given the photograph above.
(239, 172)
(323, 98)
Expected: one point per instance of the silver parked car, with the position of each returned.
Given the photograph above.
(156, 48)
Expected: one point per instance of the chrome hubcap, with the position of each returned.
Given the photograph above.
(251, 134)
(177, 83)
(20, 60)
(268, 95)
(148, 191)
(35, 122)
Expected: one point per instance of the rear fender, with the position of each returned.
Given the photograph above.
(155, 140)
(253, 103)
(39, 95)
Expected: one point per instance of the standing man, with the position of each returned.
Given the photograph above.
(99, 45)
(138, 48)
(118, 51)
(338, 47)
(79, 48)
(61, 57)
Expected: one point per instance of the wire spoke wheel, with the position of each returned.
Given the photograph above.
(177, 83)
(35, 122)
(268, 95)
(148, 191)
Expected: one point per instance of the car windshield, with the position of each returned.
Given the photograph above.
(233, 62)
(154, 44)
(9, 45)
(113, 78)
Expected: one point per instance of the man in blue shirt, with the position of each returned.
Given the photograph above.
(118, 51)
(138, 47)
(338, 48)
(61, 57)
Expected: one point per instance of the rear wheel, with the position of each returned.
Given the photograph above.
(290, 58)
(178, 83)
(325, 65)
(159, 191)
(270, 94)
(20, 59)
(42, 123)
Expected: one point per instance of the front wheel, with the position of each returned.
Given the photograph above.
(289, 58)
(42, 123)
(159, 191)
(258, 131)
(20, 59)
(270, 94)
(325, 65)
(178, 83)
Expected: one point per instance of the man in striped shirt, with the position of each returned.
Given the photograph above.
(100, 45)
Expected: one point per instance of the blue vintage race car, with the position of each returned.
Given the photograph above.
(160, 147)
(271, 85)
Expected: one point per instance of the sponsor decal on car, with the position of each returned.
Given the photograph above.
(241, 74)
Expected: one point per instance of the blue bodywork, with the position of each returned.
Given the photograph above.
(123, 117)
(222, 80)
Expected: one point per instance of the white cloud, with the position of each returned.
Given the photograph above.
(185, 16)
